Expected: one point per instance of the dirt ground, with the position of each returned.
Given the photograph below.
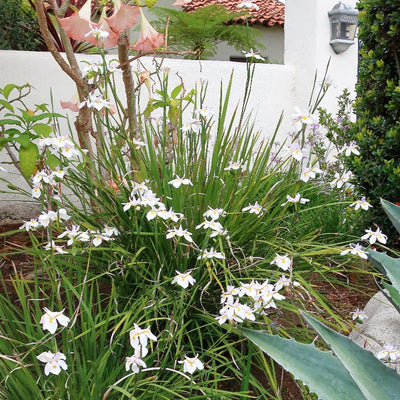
(345, 299)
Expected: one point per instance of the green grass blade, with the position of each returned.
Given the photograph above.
(319, 370)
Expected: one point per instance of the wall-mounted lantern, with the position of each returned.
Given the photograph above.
(344, 20)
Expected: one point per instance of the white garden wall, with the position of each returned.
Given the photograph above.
(276, 89)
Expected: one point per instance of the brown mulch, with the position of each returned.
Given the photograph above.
(344, 298)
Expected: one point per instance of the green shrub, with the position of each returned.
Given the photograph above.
(203, 29)
(377, 130)
(18, 27)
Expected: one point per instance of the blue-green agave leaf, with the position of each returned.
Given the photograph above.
(320, 370)
(387, 265)
(393, 212)
(392, 295)
(375, 380)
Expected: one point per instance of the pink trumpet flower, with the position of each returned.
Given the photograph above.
(149, 38)
(124, 17)
(105, 32)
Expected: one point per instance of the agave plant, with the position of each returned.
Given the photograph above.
(350, 372)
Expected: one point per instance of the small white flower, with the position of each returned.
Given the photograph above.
(74, 233)
(158, 212)
(356, 250)
(296, 199)
(180, 232)
(309, 173)
(205, 112)
(374, 236)
(184, 279)
(249, 289)
(351, 148)
(96, 101)
(138, 143)
(98, 238)
(113, 65)
(54, 362)
(170, 214)
(234, 165)
(30, 225)
(139, 337)
(52, 246)
(283, 281)
(361, 204)
(97, 32)
(268, 294)
(59, 173)
(214, 213)
(340, 180)
(295, 151)
(358, 314)
(303, 117)
(211, 254)
(94, 66)
(51, 319)
(191, 125)
(190, 364)
(327, 82)
(177, 182)
(235, 312)
(254, 209)
(37, 191)
(253, 54)
(248, 4)
(390, 352)
(69, 152)
(227, 297)
(133, 202)
(215, 226)
(283, 262)
(110, 231)
(134, 362)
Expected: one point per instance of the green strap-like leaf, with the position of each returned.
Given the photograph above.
(393, 212)
(375, 380)
(322, 372)
(388, 265)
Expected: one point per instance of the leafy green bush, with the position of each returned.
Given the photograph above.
(18, 27)
(377, 130)
(203, 29)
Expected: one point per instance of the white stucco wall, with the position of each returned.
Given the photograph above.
(307, 50)
(270, 95)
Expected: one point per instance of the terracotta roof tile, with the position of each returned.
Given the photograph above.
(270, 13)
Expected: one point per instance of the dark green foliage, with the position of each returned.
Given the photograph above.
(377, 130)
(203, 29)
(18, 27)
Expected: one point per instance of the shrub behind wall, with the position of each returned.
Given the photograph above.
(377, 130)
(18, 26)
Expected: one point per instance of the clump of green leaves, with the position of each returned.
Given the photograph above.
(20, 126)
(18, 27)
(203, 29)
